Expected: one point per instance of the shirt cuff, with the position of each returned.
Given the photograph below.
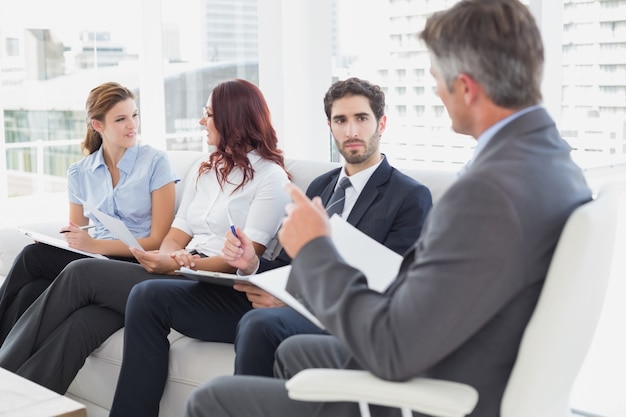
(258, 265)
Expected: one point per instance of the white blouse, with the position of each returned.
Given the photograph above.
(257, 208)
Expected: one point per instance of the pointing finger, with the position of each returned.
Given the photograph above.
(296, 194)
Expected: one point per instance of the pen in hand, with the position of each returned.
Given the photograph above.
(89, 226)
(232, 224)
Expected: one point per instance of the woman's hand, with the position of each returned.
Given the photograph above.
(78, 238)
(184, 258)
(240, 253)
(155, 262)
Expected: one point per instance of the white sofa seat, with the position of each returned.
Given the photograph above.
(192, 362)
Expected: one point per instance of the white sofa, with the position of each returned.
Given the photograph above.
(191, 362)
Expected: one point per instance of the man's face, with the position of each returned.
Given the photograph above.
(355, 129)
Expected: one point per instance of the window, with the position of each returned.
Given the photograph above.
(50, 60)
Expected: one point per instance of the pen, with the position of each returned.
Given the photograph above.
(89, 226)
(232, 224)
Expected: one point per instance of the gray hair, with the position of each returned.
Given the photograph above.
(495, 42)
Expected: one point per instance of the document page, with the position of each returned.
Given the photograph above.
(379, 263)
(273, 281)
(115, 226)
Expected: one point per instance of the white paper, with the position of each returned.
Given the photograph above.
(379, 263)
(115, 226)
(273, 281)
(59, 243)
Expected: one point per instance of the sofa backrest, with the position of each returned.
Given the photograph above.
(184, 164)
(304, 171)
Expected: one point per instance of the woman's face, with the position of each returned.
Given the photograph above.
(213, 137)
(120, 125)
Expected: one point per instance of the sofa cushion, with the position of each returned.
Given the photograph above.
(192, 363)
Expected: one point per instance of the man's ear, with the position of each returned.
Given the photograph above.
(382, 124)
(469, 87)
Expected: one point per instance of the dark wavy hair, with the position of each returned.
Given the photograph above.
(100, 100)
(355, 87)
(242, 118)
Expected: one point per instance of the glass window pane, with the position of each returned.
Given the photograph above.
(50, 60)
(204, 43)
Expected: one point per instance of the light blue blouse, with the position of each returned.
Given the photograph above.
(143, 169)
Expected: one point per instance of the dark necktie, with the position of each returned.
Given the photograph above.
(335, 204)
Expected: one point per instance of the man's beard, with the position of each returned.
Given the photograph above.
(370, 147)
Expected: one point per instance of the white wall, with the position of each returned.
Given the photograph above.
(295, 72)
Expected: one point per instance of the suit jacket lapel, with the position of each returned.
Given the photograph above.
(370, 192)
(329, 189)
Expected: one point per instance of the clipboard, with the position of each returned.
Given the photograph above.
(59, 243)
(211, 277)
(380, 266)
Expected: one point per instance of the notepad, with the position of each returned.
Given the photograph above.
(59, 243)
(379, 264)
(273, 281)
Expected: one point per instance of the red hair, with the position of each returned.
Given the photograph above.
(242, 118)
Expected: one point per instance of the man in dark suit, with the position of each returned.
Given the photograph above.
(383, 203)
(467, 288)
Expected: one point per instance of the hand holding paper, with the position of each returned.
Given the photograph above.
(155, 261)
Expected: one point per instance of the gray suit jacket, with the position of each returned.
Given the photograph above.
(467, 288)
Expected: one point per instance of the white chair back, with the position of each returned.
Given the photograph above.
(562, 326)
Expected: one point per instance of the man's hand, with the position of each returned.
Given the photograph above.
(155, 261)
(240, 253)
(306, 220)
(258, 297)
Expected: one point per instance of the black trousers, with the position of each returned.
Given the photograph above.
(33, 270)
(82, 307)
(198, 310)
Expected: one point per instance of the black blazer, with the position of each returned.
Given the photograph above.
(391, 209)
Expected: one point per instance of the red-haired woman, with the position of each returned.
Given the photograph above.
(245, 177)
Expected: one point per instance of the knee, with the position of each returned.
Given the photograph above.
(203, 400)
(81, 268)
(29, 251)
(143, 298)
(78, 273)
(257, 328)
(257, 321)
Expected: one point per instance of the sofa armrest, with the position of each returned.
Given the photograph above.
(12, 241)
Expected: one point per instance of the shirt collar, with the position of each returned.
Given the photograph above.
(360, 179)
(126, 163)
(488, 134)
